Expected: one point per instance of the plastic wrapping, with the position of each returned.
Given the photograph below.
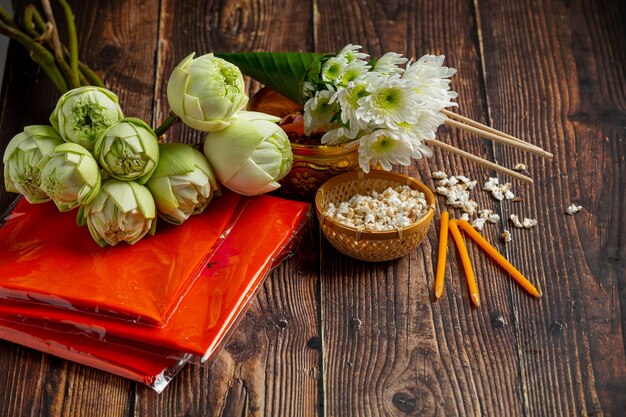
(259, 239)
(265, 230)
(45, 258)
(152, 368)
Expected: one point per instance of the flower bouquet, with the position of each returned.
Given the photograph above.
(373, 112)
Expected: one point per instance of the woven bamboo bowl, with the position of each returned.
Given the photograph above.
(365, 245)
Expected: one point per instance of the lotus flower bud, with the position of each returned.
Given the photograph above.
(128, 150)
(206, 92)
(83, 113)
(21, 158)
(70, 176)
(183, 182)
(123, 211)
(250, 155)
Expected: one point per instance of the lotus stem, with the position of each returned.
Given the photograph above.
(38, 53)
(90, 75)
(29, 25)
(36, 27)
(83, 81)
(169, 122)
(71, 33)
(72, 77)
(6, 17)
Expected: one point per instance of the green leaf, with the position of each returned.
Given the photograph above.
(284, 72)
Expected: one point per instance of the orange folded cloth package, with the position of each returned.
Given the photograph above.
(261, 235)
(45, 258)
(264, 230)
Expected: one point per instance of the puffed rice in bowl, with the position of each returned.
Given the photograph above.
(396, 223)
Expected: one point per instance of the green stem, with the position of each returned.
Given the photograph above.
(29, 26)
(90, 75)
(83, 80)
(71, 33)
(39, 22)
(39, 54)
(33, 23)
(169, 122)
(72, 77)
(6, 17)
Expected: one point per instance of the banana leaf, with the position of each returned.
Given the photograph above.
(284, 72)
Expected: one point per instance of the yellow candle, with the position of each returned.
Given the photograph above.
(465, 261)
(491, 251)
(441, 255)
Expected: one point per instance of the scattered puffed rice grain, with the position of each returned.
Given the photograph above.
(520, 167)
(506, 235)
(493, 218)
(485, 213)
(573, 209)
(479, 223)
(529, 223)
(516, 222)
(439, 175)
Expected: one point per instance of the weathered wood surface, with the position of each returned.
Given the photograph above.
(331, 336)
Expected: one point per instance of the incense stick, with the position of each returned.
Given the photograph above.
(481, 161)
(518, 144)
(489, 129)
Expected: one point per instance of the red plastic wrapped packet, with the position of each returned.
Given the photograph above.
(262, 234)
(154, 369)
(45, 258)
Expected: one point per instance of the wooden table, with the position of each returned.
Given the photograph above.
(331, 336)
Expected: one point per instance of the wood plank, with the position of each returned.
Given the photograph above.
(266, 367)
(118, 40)
(555, 74)
(389, 349)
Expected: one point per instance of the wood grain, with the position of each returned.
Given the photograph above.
(547, 79)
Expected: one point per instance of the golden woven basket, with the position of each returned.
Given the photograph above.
(365, 245)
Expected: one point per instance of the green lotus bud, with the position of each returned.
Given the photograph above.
(70, 176)
(206, 92)
(21, 158)
(123, 211)
(83, 113)
(183, 183)
(128, 150)
(250, 155)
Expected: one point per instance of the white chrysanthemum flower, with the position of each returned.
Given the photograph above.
(351, 72)
(389, 64)
(417, 134)
(348, 99)
(333, 67)
(390, 102)
(425, 127)
(351, 53)
(319, 111)
(431, 81)
(336, 136)
(308, 90)
(386, 147)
